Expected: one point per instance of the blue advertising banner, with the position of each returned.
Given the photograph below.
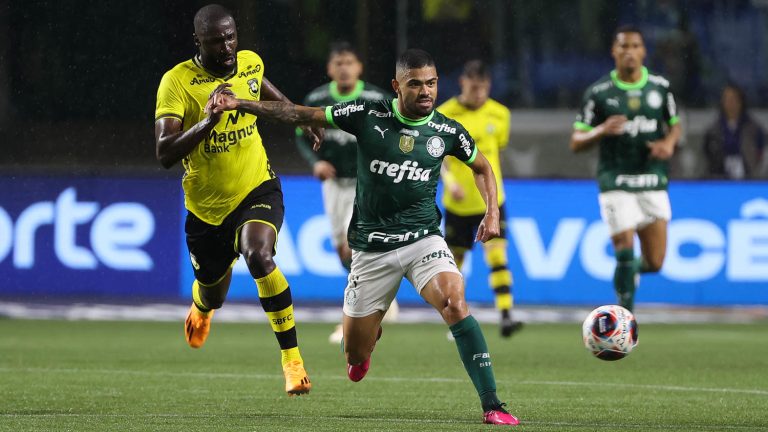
(102, 238)
(559, 249)
(88, 238)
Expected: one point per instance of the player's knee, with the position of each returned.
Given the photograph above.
(653, 264)
(259, 261)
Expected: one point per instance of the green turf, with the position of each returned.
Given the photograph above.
(136, 376)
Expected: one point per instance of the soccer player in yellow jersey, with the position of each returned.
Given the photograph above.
(234, 200)
(488, 123)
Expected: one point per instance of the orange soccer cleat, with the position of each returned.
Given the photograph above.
(197, 326)
(296, 378)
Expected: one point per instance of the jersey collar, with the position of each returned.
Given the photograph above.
(196, 60)
(630, 86)
(407, 121)
(333, 88)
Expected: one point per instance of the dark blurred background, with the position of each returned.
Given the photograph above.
(78, 78)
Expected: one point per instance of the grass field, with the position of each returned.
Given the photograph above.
(139, 376)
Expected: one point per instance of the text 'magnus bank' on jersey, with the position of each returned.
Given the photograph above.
(398, 163)
(625, 162)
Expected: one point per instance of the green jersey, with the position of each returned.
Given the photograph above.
(625, 162)
(398, 168)
(338, 146)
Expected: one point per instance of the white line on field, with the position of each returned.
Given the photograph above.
(386, 379)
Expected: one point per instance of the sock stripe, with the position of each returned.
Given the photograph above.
(278, 302)
(281, 320)
(272, 284)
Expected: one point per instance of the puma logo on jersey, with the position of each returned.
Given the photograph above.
(378, 129)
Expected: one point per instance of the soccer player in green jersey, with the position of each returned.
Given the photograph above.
(395, 228)
(631, 114)
(233, 198)
(334, 164)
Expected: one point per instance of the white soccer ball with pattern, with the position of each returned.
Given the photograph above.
(610, 332)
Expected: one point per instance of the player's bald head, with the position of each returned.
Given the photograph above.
(209, 16)
(412, 59)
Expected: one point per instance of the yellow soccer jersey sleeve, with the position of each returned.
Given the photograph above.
(231, 161)
(489, 126)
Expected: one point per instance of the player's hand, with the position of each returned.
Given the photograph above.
(457, 192)
(315, 135)
(661, 149)
(323, 170)
(223, 88)
(224, 102)
(489, 226)
(614, 125)
(213, 116)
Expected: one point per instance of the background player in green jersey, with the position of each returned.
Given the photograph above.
(632, 114)
(395, 228)
(335, 163)
(234, 199)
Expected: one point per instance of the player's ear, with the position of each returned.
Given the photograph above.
(396, 86)
(197, 41)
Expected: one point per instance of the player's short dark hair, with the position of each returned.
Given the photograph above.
(413, 58)
(627, 28)
(476, 69)
(342, 47)
(209, 14)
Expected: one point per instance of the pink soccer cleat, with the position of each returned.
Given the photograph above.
(500, 416)
(357, 372)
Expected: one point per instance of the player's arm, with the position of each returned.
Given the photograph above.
(172, 144)
(285, 112)
(486, 184)
(269, 92)
(665, 147)
(584, 136)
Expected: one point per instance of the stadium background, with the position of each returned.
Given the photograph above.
(86, 213)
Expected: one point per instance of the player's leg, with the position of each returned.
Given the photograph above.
(360, 336)
(653, 246)
(500, 280)
(440, 283)
(622, 213)
(257, 243)
(256, 237)
(624, 281)
(652, 232)
(372, 285)
(212, 258)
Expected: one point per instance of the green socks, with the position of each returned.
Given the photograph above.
(477, 361)
(624, 277)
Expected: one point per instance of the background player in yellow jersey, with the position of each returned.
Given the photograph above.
(234, 200)
(488, 123)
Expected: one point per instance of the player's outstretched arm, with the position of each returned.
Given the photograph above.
(582, 140)
(285, 112)
(486, 184)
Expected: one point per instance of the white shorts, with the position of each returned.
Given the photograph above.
(624, 211)
(338, 200)
(376, 276)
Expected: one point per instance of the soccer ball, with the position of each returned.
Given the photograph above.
(610, 332)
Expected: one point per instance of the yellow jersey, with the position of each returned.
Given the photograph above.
(231, 161)
(489, 126)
